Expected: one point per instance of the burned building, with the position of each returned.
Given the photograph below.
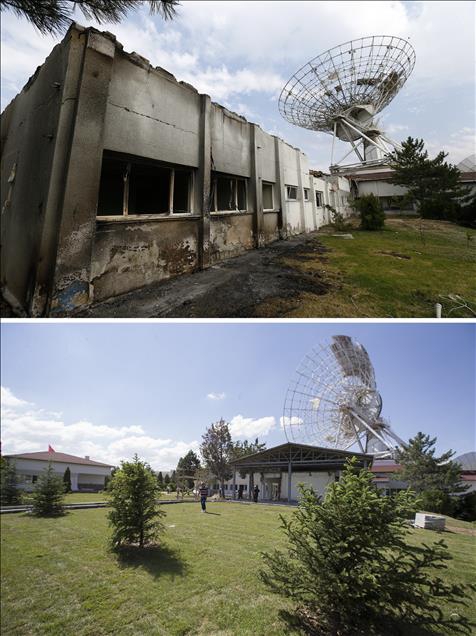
(115, 175)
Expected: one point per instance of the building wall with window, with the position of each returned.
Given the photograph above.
(115, 175)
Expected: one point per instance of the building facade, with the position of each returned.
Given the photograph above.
(115, 175)
(86, 475)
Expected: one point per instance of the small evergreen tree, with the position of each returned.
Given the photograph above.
(135, 515)
(166, 479)
(351, 570)
(433, 184)
(48, 495)
(160, 480)
(372, 216)
(435, 479)
(67, 480)
(9, 491)
(187, 466)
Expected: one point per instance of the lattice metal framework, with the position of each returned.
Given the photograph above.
(368, 71)
(334, 402)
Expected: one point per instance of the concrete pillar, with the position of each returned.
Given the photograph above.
(301, 191)
(74, 481)
(204, 182)
(78, 223)
(54, 204)
(289, 480)
(256, 188)
(250, 486)
(234, 484)
(280, 190)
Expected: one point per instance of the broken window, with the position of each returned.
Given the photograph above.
(228, 194)
(306, 194)
(319, 199)
(135, 187)
(268, 202)
(291, 192)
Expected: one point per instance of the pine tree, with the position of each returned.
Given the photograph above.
(187, 466)
(9, 491)
(434, 478)
(48, 495)
(160, 480)
(352, 571)
(431, 183)
(67, 480)
(217, 451)
(54, 16)
(135, 515)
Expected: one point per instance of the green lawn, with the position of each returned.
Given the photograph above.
(398, 272)
(59, 578)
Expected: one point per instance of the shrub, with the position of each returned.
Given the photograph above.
(465, 507)
(351, 570)
(67, 480)
(437, 501)
(338, 221)
(372, 216)
(48, 495)
(135, 515)
(9, 492)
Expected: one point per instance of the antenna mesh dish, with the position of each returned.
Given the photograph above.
(332, 379)
(367, 71)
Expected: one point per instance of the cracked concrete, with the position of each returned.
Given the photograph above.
(234, 288)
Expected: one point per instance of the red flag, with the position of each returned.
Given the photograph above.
(50, 449)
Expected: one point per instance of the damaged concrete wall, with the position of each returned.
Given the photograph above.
(90, 103)
(29, 143)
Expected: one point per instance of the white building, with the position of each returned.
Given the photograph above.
(86, 475)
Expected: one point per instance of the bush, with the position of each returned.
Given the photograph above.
(135, 515)
(338, 221)
(9, 492)
(437, 501)
(351, 570)
(372, 216)
(67, 480)
(465, 507)
(48, 495)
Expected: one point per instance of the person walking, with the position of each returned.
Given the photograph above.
(203, 496)
(255, 494)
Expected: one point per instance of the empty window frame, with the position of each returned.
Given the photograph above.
(130, 188)
(268, 196)
(306, 194)
(228, 194)
(291, 193)
(319, 199)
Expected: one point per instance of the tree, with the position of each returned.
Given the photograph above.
(9, 491)
(241, 449)
(135, 515)
(431, 183)
(48, 495)
(160, 480)
(166, 479)
(187, 466)
(434, 478)
(67, 480)
(217, 451)
(372, 216)
(54, 16)
(351, 570)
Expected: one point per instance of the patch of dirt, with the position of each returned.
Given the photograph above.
(458, 530)
(236, 288)
(396, 255)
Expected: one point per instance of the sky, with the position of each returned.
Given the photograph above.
(242, 54)
(109, 390)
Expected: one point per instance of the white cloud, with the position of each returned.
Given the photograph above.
(26, 428)
(290, 421)
(216, 396)
(9, 400)
(247, 427)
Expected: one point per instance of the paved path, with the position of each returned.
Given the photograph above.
(233, 288)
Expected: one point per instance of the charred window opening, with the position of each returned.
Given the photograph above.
(306, 194)
(228, 194)
(319, 199)
(138, 187)
(291, 192)
(268, 201)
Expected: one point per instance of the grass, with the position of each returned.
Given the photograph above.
(58, 577)
(401, 271)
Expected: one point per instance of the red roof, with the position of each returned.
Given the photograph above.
(45, 456)
(389, 468)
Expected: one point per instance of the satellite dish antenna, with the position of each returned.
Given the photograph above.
(333, 401)
(342, 90)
